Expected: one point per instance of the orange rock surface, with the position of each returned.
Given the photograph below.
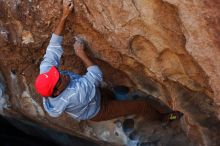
(169, 49)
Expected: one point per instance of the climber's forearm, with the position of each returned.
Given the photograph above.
(67, 8)
(87, 61)
(60, 27)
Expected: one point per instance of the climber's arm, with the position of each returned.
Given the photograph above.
(79, 48)
(87, 60)
(54, 50)
(94, 74)
(67, 8)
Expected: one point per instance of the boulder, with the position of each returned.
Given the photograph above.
(168, 49)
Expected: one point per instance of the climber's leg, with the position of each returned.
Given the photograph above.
(114, 108)
(111, 108)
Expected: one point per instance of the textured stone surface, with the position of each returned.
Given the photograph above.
(169, 49)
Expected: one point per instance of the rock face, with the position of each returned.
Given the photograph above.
(169, 49)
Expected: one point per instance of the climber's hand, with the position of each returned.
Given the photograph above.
(79, 47)
(67, 8)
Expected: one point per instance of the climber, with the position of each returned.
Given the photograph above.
(80, 96)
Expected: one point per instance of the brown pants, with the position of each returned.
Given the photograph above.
(111, 108)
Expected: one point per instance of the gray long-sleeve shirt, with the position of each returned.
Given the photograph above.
(81, 98)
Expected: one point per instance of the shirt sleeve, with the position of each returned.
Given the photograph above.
(54, 110)
(94, 75)
(53, 54)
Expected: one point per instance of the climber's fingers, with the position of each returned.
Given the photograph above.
(79, 43)
(68, 4)
(79, 39)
